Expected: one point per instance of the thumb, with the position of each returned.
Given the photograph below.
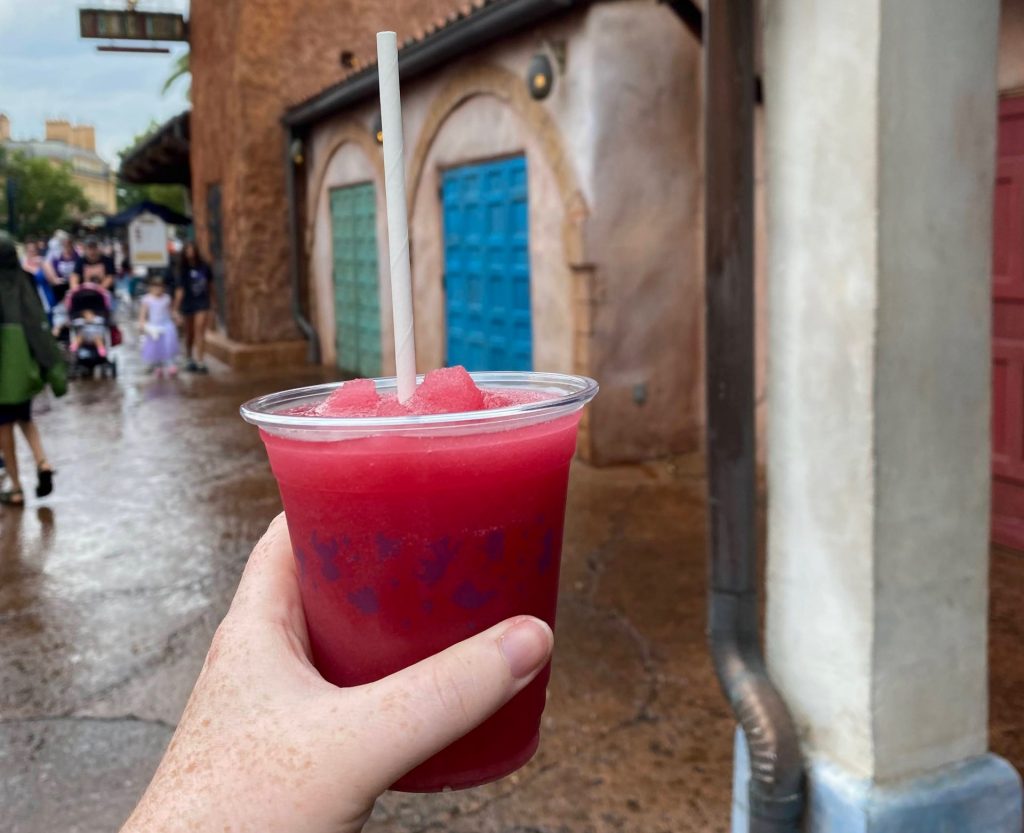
(420, 710)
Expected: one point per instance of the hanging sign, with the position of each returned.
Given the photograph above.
(113, 24)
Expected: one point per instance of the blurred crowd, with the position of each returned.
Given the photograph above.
(63, 304)
(87, 286)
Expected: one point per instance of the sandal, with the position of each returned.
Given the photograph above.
(45, 484)
(15, 498)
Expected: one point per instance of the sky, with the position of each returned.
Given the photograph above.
(48, 71)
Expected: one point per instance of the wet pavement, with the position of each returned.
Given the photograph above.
(111, 589)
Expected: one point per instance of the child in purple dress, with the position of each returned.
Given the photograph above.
(159, 335)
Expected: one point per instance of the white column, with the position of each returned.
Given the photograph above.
(880, 129)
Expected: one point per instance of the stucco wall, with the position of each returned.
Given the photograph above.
(880, 213)
(614, 181)
(640, 145)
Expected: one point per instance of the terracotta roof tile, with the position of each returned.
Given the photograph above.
(460, 9)
(421, 31)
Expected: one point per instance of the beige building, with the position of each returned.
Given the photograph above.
(593, 190)
(554, 229)
(76, 145)
(554, 185)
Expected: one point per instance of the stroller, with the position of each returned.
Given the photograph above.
(89, 311)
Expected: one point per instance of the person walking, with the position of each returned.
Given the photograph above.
(62, 267)
(192, 301)
(94, 266)
(159, 336)
(29, 358)
(34, 263)
(122, 283)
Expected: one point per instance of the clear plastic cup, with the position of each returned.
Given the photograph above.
(413, 533)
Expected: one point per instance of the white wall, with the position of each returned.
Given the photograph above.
(937, 120)
(880, 145)
(822, 198)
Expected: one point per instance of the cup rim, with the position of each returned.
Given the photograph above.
(571, 393)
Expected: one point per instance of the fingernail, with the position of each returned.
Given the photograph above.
(526, 646)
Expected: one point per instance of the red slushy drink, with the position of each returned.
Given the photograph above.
(414, 528)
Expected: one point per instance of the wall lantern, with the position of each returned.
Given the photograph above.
(540, 76)
(295, 149)
(378, 130)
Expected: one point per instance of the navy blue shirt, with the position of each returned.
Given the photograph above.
(195, 283)
(96, 271)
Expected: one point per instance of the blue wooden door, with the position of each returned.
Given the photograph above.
(487, 265)
(356, 297)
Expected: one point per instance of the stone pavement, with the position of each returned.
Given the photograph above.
(111, 590)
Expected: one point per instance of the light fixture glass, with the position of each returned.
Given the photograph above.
(540, 76)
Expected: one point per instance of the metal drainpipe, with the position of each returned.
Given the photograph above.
(776, 766)
(293, 249)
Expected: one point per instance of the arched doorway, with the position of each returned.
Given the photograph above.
(345, 247)
(474, 131)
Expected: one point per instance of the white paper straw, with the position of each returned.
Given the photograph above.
(398, 226)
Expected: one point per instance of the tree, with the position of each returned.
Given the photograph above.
(46, 197)
(173, 196)
(180, 69)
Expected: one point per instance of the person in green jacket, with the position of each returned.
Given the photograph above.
(29, 358)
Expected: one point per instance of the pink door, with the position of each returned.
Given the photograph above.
(1008, 330)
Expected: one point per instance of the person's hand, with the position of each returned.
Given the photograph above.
(179, 319)
(266, 744)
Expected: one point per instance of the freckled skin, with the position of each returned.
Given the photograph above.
(265, 744)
